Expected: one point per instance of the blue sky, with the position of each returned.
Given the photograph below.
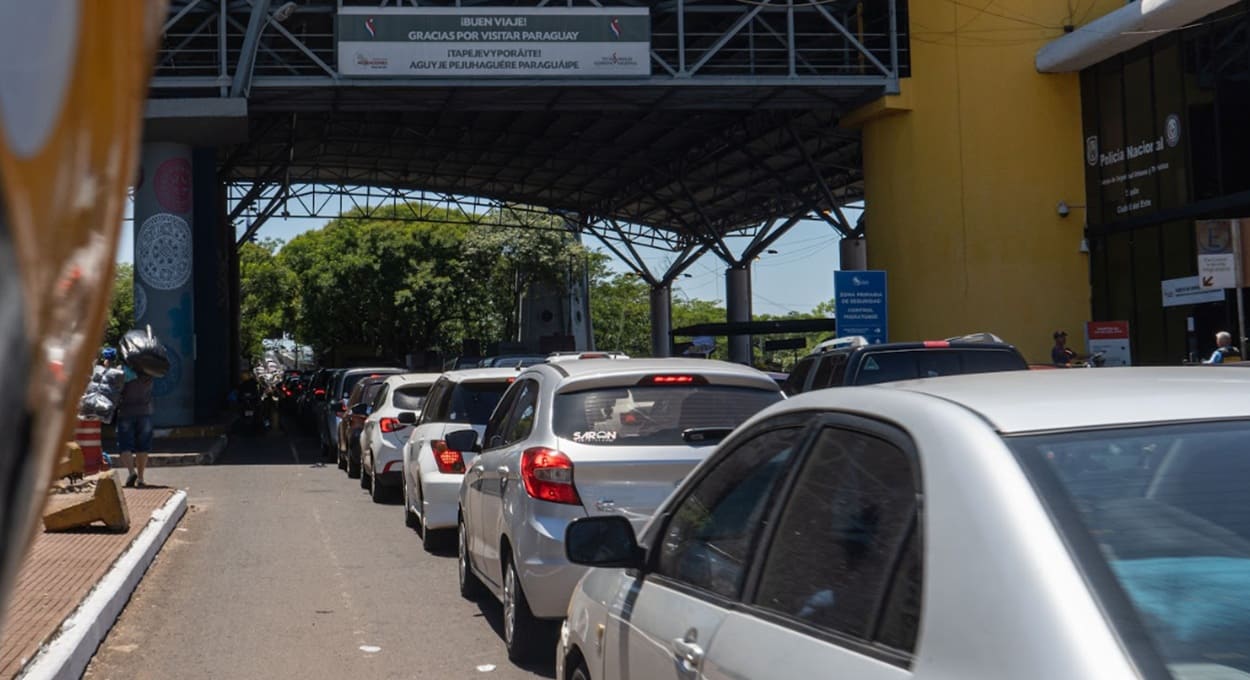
(797, 278)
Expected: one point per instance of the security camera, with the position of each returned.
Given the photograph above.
(1063, 209)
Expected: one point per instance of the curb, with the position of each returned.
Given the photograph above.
(75, 643)
(209, 457)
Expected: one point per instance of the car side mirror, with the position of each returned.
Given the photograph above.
(407, 417)
(603, 541)
(360, 410)
(461, 440)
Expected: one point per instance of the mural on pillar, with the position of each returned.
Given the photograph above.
(180, 343)
(163, 251)
(141, 302)
(173, 185)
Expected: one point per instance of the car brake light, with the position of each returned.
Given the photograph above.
(341, 406)
(548, 476)
(936, 343)
(673, 380)
(390, 424)
(448, 460)
(594, 355)
(319, 392)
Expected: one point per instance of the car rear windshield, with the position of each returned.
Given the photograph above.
(645, 415)
(350, 380)
(409, 397)
(1165, 510)
(472, 402)
(907, 364)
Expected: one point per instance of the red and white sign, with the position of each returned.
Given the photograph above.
(1111, 339)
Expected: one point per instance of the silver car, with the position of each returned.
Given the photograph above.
(578, 438)
(1051, 524)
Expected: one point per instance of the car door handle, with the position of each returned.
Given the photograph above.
(688, 653)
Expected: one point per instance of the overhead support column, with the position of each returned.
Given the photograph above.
(164, 286)
(738, 308)
(661, 319)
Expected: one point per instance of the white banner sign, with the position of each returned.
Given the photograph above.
(544, 42)
(1217, 271)
(1188, 291)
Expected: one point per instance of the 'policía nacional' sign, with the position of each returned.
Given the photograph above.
(494, 42)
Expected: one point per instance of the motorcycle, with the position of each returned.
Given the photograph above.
(251, 415)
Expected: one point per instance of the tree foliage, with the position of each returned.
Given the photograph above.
(121, 316)
(395, 286)
(268, 296)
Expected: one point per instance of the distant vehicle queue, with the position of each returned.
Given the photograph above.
(683, 518)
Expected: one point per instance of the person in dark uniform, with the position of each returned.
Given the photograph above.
(1060, 355)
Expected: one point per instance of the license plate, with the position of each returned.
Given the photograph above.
(247, 414)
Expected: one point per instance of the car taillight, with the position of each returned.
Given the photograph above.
(319, 392)
(936, 343)
(448, 460)
(673, 380)
(341, 406)
(548, 476)
(390, 424)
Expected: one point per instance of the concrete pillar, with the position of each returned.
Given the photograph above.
(164, 285)
(738, 308)
(854, 254)
(213, 240)
(661, 320)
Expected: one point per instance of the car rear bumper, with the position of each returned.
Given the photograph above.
(441, 499)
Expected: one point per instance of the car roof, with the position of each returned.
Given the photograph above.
(467, 374)
(593, 369)
(412, 379)
(1030, 401)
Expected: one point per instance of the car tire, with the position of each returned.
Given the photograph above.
(410, 517)
(580, 673)
(470, 587)
(377, 493)
(520, 629)
(339, 457)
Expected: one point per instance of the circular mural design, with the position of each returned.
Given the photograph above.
(141, 302)
(166, 385)
(172, 185)
(163, 251)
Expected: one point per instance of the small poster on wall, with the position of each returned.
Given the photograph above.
(1111, 340)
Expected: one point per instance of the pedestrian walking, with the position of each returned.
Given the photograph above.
(134, 425)
(1225, 352)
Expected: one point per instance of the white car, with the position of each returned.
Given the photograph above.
(383, 436)
(585, 437)
(1032, 525)
(431, 471)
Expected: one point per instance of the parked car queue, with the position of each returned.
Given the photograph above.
(1013, 524)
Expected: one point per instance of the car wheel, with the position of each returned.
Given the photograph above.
(377, 492)
(339, 456)
(519, 626)
(353, 468)
(430, 538)
(580, 673)
(410, 518)
(470, 587)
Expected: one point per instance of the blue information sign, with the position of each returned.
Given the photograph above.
(860, 304)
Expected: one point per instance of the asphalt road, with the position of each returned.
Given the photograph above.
(284, 568)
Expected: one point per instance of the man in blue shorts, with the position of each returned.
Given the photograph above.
(134, 425)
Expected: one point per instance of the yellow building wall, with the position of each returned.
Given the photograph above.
(961, 186)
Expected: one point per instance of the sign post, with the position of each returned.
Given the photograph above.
(1111, 339)
(860, 305)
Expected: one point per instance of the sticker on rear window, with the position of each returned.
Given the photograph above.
(594, 436)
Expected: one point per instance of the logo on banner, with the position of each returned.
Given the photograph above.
(369, 27)
(616, 27)
(1091, 150)
(1172, 130)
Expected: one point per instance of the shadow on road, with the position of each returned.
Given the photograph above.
(286, 444)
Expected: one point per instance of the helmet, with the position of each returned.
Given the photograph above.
(109, 353)
(71, 113)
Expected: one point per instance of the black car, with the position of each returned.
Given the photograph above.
(852, 361)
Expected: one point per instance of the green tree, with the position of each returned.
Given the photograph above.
(620, 313)
(121, 317)
(268, 296)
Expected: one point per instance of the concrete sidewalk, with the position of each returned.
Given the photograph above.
(73, 585)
